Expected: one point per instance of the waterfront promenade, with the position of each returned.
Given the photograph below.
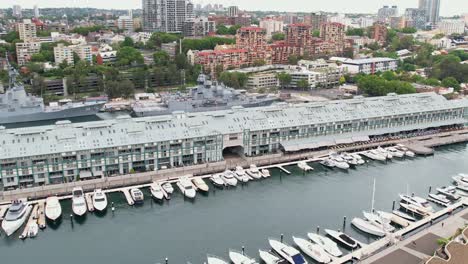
(272, 160)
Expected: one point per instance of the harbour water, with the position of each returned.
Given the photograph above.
(185, 231)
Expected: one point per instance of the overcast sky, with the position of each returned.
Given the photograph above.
(448, 7)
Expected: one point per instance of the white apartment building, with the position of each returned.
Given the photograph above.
(166, 15)
(449, 27)
(25, 50)
(263, 80)
(272, 26)
(368, 66)
(125, 23)
(27, 30)
(65, 53)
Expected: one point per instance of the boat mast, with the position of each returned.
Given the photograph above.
(373, 197)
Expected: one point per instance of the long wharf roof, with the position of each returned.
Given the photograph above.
(65, 137)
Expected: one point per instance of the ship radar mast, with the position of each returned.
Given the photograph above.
(12, 73)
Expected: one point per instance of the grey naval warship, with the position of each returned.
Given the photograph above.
(17, 106)
(206, 96)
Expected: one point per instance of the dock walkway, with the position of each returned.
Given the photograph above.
(89, 201)
(41, 214)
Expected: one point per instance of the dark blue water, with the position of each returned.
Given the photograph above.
(246, 215)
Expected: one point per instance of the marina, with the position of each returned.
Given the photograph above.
(296, 175)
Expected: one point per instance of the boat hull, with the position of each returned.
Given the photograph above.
(11, 227)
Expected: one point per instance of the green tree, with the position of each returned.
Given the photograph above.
(355, 32)
(11, 37)
(128, 42)
(161, 58)
(342, 80)
(409, 30)
(128, 56)
(316, 33)
(451, 82)
(284, 78)
(303, 84)
(278, 36)
(258, 63)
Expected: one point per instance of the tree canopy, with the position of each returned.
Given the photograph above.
(235, 80)
(374, 85)
(128, 56)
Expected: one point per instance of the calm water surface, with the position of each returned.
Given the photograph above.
(246, 215)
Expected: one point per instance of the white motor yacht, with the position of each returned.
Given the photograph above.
(215, 260)
(327, 244)
(374, 155)
(79, 206)
(351, 160)
(358, 157)
(240, 258)
(265, 173)
(367, 227)
(450, 192)
(395, 152)
(240, 175)
(157, 191)
(99, 200)
(289, 253)
(254, 172)
(384, 153)
(379, 221)
(200, 184)
(339, 161)
(329, 163)
(439, 199)
(33, 229)
(137, 195)
(167, 187)
(461, 179)
(217, 180)
(304, 166)
(15, 217)
(269, 258)
(229, 178)
(343, 238)
(312, 250)
(417, 201)
(186, 187)
(53, 209)
(414, 210)
(404, 149)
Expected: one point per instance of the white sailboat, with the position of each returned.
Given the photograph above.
(240, 258)
(312, 250)
(79, 206)
(99, 200)
(53, 209)
(289, 253)
(376, 219)
(254, 172)
(15, 217)
(367, 227)
(343, 238)
(186, 187)
(269, 258)
(327, 244)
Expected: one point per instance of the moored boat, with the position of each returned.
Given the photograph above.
(289, 253)
(33, 229)
(414, 210)
(270, 258)
(404, 215)
(15, 217)
(215, 260)
(327, 244)
(137, 195)
(240, 175)
(254, 172)
(449, 191)
(53, 209)
(200, 184)
(217, 180)
(240, 258)
(343, 238)
(439, 199)
(420, 202)
(229, 178)
(329, 163)
(167, 187)
(304, 166)
(374, 155)
(312, 250)
(99, 200)
(186, 187)
(79, 206)
(157, 191)
(395, 152)
(367, 227)
(265, 173)
(379, 221)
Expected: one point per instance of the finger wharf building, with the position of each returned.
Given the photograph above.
(68, 151)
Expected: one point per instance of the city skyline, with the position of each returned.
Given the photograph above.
(456, 7)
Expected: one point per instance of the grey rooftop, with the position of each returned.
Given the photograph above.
(66, 137)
